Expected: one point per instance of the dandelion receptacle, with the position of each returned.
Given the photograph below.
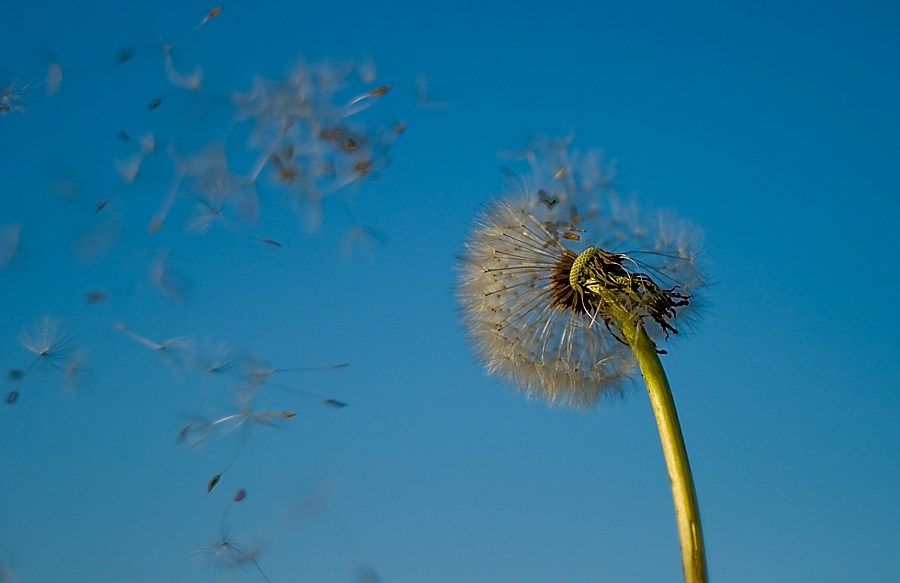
(566, 290)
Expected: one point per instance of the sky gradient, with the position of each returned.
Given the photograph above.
(773, 126)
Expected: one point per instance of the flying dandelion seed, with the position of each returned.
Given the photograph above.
(166, 279)
(256, 371)
(9, 242)
(128, 169)
(230, 553)
(200, 429)
(96, 297)
(564, 289)
(177, 352)
(304, 131)
(75, 372)
(51, 344)
(219, 359)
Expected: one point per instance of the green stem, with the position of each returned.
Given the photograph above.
(687, 511)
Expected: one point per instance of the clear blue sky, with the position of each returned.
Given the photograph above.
(773, 125)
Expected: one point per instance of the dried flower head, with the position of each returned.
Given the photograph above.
(545, 290)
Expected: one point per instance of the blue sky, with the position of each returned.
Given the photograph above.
(772, 125)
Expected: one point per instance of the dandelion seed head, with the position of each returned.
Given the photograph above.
(552, 268)
(507, 294)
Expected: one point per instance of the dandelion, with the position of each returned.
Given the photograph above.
(564, 289)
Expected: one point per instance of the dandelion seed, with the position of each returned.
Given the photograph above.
(175, 352)
(256, 371)
(568, 324)
(220, 359)
(188, 81)
(12, 396)
(424, 99)
(230, 553)
(200, 429)
(74, 373)
(14, 96)
(212, 13)
(366, 70)
(15, 374)
(245, 419)
(166, 279)
(208, 211)
(361, 240)
(128, 169)
(124, 55)
(54, 78)
(50, 342)
(96, 297)
(154, 104)
(241, 494)
(9, 242)
(181, 170)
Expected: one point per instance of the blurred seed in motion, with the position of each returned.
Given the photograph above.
(96, 297)
(9, 242)
(176, 352)
(124, 55)
(54, 78)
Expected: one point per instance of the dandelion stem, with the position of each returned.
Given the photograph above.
(687, 511)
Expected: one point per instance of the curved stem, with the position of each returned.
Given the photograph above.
(687, 511)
